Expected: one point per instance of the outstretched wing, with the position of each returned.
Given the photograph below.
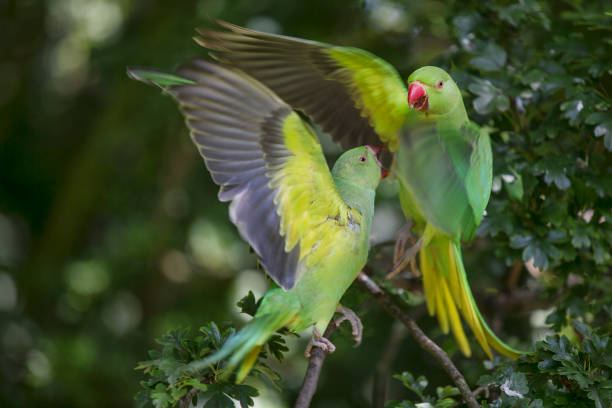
(266, 160)
(447, 174)
(353, 95)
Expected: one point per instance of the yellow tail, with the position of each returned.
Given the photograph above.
(447, 293)
(247, 364)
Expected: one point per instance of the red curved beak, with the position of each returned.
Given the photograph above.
(376, 149)
(417, 96)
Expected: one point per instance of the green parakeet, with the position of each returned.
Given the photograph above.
(309, 227)
(443, 161)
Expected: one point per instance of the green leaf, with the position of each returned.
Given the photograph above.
(572, 111)
(520, 240)
(243, 393)
(213, 334)
(248, 304)
(603, 122)
(489, 97)
(415, 385)
(193, 382)
(492, 58)
(580, 238)
(516, 385)
(535, 251)
(277, 346)
(219, 400)
(514, 185)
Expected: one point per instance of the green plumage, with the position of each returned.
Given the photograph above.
(309, 227)
(443, 161)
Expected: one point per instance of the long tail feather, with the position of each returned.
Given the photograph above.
(158, 78)
(245, 345)
(448, 293)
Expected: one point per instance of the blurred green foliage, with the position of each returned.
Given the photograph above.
(111, 234)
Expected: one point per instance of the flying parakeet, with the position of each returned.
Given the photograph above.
(443, 161)
(309, 227)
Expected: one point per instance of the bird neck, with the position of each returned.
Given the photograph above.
(457, 116)
(357, 197)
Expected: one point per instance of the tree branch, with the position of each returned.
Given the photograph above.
(186, 400)
(311, 378)
(383, 368)
(424, 342)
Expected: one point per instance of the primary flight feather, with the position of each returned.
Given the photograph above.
(442, 160)
(309, 227)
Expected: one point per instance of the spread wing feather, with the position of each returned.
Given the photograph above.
(267, 162)
(355, 96)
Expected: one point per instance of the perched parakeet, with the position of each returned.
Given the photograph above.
(443, 161)
(309, 227)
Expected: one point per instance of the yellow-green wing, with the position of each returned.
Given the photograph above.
(353, 95)
(267, 162)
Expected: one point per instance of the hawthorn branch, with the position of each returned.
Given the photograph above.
(186, 400)
(311, 378)
(424, 342)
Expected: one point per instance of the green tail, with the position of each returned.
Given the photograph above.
(245, 345)
(447, 292)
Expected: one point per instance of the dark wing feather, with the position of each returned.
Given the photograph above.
(353, 95)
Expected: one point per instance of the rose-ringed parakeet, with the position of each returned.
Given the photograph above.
(443, 161)
(309, 227)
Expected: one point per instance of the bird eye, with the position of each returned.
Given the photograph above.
(362, 159)
(440, 84)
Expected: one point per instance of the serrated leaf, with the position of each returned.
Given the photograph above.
(520, 240)
(219, 400)
(492, 58)
(213, 334)
(194, 382)
(243, 393)
(416, 385)
(558, 177)
(580, 238)
(248, 304)
(489, 97)
(534, 250)
(277, 346)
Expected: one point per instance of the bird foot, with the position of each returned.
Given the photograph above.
(318, 340)
(403, 257)
(353, 319)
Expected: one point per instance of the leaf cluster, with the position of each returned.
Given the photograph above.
(445, 397)
(171, 381)
(560, 373)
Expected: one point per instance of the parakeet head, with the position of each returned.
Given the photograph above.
(432, 91)
(360, 167)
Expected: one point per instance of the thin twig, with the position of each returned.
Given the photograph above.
(425, 342)
(311, 379)
(186, 400)
(482, 390)
(383, 367)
